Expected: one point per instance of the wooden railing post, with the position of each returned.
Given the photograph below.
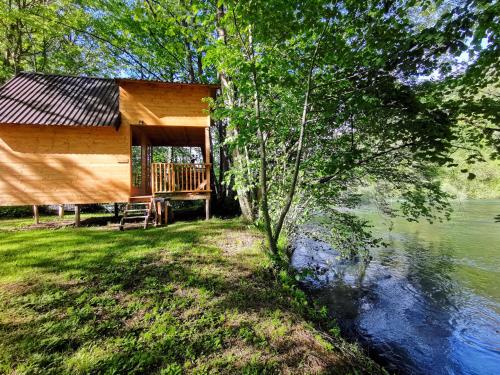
(172, 177)
(191, 178)
(207, 174)
(164, 177)
(153, 179)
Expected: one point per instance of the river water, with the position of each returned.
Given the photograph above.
(429, 303)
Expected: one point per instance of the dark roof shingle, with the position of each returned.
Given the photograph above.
(46, 99)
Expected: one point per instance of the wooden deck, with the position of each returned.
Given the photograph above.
(181, 181)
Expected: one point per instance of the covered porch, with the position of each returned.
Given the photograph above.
(157, 172)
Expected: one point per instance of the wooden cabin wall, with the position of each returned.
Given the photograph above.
(60, 164)
(164, 104)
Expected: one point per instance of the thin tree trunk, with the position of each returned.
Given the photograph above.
(300, 147)
(298, 159)
(263, 182)
(199, 63)
(262, 153)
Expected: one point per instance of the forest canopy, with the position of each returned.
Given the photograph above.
(318, 98)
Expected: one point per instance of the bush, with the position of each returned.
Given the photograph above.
(16, 211)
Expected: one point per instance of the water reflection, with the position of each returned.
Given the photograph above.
(423, 305)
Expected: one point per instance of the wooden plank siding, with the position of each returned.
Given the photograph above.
(58, 164)
(164, 104)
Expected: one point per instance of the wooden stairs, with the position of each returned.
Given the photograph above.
(139, 209)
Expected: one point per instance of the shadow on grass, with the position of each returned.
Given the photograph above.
(164, 299)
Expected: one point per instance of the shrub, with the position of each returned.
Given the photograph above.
(16, 211)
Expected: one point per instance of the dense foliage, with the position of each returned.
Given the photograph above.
(319, 98)
(334, 96)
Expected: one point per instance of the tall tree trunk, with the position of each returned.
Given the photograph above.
(244, 196)
(199, 62)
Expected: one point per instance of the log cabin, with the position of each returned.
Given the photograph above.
(69, 140)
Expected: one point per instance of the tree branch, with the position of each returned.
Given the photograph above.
(122, 50)
(365, 160)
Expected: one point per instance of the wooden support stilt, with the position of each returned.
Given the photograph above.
(167, 212)
(36, 215)
(207, 208)
(61, 211)
(116, 210)
(77, 215)
(159, 213)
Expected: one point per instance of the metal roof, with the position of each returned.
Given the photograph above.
(212, 86)
(48, 99)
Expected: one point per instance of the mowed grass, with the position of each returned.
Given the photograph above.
(193, 297)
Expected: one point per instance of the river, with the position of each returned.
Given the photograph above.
(429, 303)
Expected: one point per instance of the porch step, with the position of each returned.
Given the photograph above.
(139, 211)
(139, 208)
(140, 199)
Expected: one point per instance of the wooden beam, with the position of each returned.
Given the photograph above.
(207, 208)
(144, 163)
(208, 166)
(61, 210)
(165, 211)
(207, 145)
(116, 210)
(159, 212)
(185, 196)
(77, 215)
(36, 215)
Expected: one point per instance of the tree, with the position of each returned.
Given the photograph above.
(332, 96)
(152, 39)
(32, 39)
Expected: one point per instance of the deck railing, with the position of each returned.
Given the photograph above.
(180, 178)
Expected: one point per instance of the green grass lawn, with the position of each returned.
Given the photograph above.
(193, 297)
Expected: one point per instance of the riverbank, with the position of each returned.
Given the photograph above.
(193, 297)
(426, 303)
